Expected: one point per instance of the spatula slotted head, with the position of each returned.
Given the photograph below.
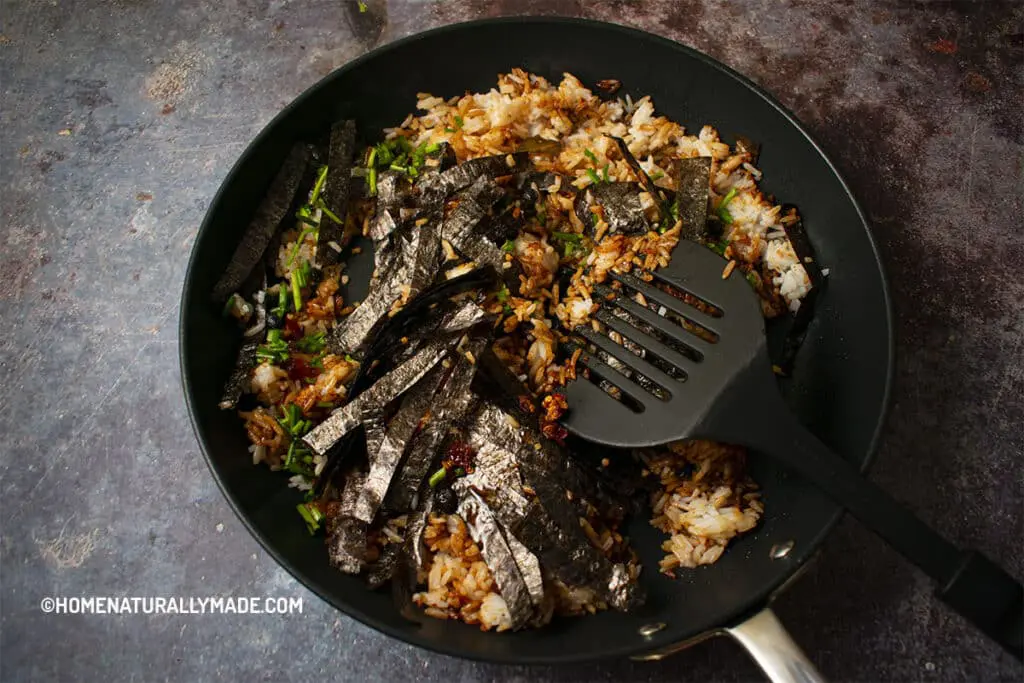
(665, 350)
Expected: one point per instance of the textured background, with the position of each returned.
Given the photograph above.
(119, 119)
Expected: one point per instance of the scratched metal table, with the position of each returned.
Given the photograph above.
(119, 119)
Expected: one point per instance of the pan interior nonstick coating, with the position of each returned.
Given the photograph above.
(839, 386)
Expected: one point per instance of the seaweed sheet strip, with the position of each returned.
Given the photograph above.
(529, 568)
(571, 557)
(271, 211)
(485, 530)
(337, 190)
(797, 332)
(238, 381)
(434, 189)
(692, 196)
(346, 537)
(345, 419)
(460, 228)
(548, 524)
(645, 182)
(393, 193)
(384, 460)
(453, 402)
(354, 330)
(623, 211)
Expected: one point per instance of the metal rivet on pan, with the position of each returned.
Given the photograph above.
(780, 550)
(649, 630)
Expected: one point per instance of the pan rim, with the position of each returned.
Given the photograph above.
(627, 649)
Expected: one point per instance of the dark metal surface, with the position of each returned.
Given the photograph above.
(104, 491)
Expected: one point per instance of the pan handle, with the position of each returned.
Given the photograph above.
(766, 640)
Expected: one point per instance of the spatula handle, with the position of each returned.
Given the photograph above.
(968, 582)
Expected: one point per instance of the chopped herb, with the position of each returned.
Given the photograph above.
(594, 178)
(437, 477)
(459, 472)
(658, 175)
(362, 7)
(542, 217)
(509, 246)
(324, 404)
(400, 169)
(372, 158)
(349, 358)
(319, 185)
(566, 236)
(503, 294)
(371, 179)
(330, 214)
(312, 343)
(275, 351)
(312, 516)
(431, 148)
(604, 173)
(449, 130)
(282, 302)
(673, 210)
(296, 294)
(590, 155)
(754, 279)
(723, 213)
(506, 309)
(458, 122)
(229, 305)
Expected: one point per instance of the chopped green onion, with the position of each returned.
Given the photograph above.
(458, 122)
(371, 158)
(296, 294)
(722, 212)
(449, 130)
(459, 472)
(658, 175)
(594, 178)
(437, 477)
(673, 210)
(590, 155)
(330, 214)
(349, 358)
(754, 279)
(604, 173)
(431, 148)
(229, 305)
(503, 294)
(509, 246)
(400, 169)
(371, 179)
(566, 236)
(319, 185)
(275, 351)
(362, 7)
(312, 343)
(324, 404)
(312, 516)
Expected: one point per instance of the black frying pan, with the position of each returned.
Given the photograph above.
(839, 386)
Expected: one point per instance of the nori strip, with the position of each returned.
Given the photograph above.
(453, 402)
(336, 192)
(394, 192)
(692, 196)
(646, 182)
(474, 204)
(346, 537)
(435, 188)
(484, 529)
(270, 213)
(382, 571)
(622, 209)
(350, 335)
(345, 419)
(238, 381)
(385, 459)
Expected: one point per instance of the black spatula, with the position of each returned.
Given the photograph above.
(693, 363)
